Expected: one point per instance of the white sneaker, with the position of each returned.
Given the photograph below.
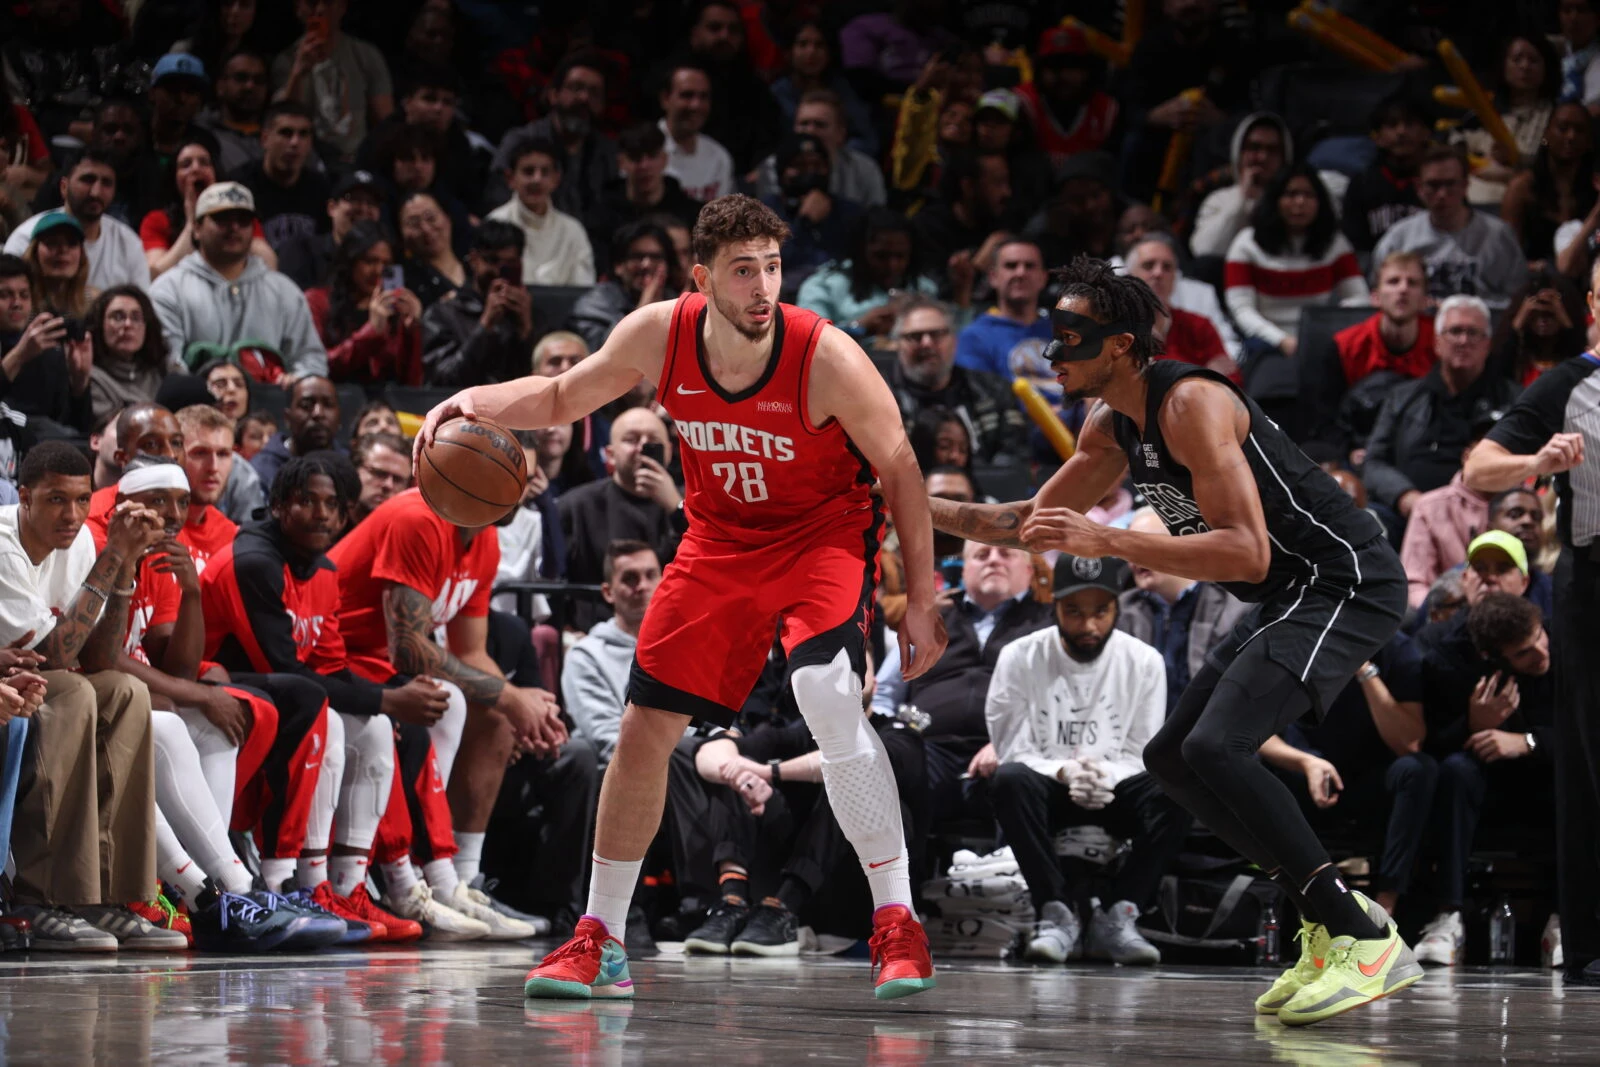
(1055, 935)
(1550, 943)
(474, 904)
(1442, 940)
(1114, 935)
(134, 933)
(58, 930)
(443, 922)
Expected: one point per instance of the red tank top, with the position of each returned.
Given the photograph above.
(755, 468)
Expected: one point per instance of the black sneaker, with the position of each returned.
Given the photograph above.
(639, 942)
(320, 929)
(771, 931)
(722, 925)
(228, 922)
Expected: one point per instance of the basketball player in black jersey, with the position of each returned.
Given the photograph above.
(1252, 513)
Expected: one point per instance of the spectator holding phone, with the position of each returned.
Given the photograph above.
(344, 81)
(370, 323)
(481, 332)
(34, 375)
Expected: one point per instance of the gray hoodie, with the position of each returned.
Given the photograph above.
(195, 303)
(1224, 212)
(594, 684)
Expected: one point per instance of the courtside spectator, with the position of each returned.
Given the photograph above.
(1467, 251)
(130, 357)
(1525, 82)
(586, 157)
(234, 119)
(821, 224)
(925, 375)
(1544, 324)
(343, 81)
(46, 373)
(1188, 337)
(1008, 340)
(1261, 148)
(700, 163)
(1066, 103)
(291, 196)
(357, 197)
(1386, 192)
(168, 233)
(312, 418)
(222, 295)
(594, 678)
(643, 271)
(642, 187)
(1557, 188)
(480, 333)
(432, 269)
(371, 328)
(859, 294)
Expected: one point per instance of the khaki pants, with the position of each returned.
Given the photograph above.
(85, 823)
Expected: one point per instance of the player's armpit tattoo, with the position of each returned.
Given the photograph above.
(408, 618)
(993, 524)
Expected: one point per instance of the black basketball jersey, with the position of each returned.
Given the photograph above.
(1314, 526)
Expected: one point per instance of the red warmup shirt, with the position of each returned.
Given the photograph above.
(203, 539)
(404, 542)
(756, 471)
(268, 614)
(155, 602)
(1093, 124)
(1362, 351)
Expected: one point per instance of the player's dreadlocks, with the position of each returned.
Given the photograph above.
(1114, 297)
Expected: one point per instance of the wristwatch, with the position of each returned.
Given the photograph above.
(1533, 742)
(1366, 672)
(773, 765)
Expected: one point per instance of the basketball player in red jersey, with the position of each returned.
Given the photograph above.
(207, 456)
(782, 421)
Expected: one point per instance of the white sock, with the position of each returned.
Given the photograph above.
(469, 855)
(368, 774)
(441, 875)
(857, 776)
(446, 733)
(398, 877)
(174, 866)
(219, 759)
(347, 872)
(311, 871)
(611, 891)
(189, 811)
(277, 871)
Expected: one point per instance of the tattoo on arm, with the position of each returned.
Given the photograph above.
(62, 644)
(993, 524)
(408, 616)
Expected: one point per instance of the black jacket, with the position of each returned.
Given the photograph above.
(457, 351)
(1421, 430)
(1451, 669)
(955, 689)
(41, 394)
(984, 404)
(596, 514)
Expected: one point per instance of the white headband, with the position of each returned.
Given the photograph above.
(155, 476)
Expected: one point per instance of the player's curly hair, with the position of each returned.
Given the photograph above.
(730, 219)
(296, 476)
(1114, 297)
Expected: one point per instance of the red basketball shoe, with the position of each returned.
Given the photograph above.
(592, 964)
(900, 953)
(395, 929)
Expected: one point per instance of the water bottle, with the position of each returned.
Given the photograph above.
(1502, 934)
(1267, 936)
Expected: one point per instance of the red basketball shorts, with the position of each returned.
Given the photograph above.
(718, 608)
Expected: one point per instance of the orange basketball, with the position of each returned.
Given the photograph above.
(474, 472)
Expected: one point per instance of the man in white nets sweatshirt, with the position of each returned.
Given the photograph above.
(1070, 709)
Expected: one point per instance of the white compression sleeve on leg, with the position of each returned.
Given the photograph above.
(857, 775)
(368, 777)
(319, 823)
(446, 733)
(189, 808)
(175, 866)
(219, 759)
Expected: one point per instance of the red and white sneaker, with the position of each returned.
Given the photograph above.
(592, 964)
(331, 902)
(162, 913)
(900, 953)
(395, 929)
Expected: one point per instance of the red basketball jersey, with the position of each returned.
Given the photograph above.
(756, 470)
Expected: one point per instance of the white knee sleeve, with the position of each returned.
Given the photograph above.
(855, 766)
(368, 776)
(319, 822)
(187, 807)
(219, 758)
(446, 733)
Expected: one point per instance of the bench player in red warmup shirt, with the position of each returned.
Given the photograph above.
(782, 421)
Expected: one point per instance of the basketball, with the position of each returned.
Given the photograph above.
(473, 473)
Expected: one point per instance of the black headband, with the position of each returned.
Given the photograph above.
(1091, 336)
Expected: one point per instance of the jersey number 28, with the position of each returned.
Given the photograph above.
(750, 479)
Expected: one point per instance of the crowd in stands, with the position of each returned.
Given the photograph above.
(258, 695)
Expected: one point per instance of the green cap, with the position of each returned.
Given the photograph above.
(56, 220)
(1505, 542)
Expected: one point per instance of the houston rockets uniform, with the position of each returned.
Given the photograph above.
(782, 528)
(204, 537)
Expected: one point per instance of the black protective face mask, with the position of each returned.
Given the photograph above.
(1091, 334)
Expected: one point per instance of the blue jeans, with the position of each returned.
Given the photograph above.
(16, 737)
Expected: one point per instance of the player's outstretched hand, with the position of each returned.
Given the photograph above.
(459, 406)
(922, 640)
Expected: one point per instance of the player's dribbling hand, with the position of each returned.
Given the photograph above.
(922, 639)
(461, 405)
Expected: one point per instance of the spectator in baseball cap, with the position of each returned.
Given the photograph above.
(820, 223)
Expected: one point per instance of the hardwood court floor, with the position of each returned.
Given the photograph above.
(463, 1005)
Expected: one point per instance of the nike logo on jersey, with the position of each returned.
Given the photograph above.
(688, 392)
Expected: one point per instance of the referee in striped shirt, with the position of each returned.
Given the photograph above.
(1548, 431)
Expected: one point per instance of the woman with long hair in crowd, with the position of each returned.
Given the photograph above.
(168, 233)
(1544, 324)
(860, 294)
(130, 357)
(1525, 81)
(372, 334)
(225, 27)
(1558, 187)
(432, 268)
(811, 65)
(60, 267)
(1294, 239)
(939, 438)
